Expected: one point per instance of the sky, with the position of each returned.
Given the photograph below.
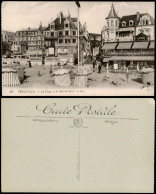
(18, 15)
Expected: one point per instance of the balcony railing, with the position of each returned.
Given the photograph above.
(146, 53)
(66, 44)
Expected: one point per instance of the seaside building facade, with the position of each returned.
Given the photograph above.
(129, 40)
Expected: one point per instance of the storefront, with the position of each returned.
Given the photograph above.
(131, 53)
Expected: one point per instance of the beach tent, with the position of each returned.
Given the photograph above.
(10, 77)
(62, 77)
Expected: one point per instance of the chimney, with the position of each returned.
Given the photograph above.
(138, 15)
(61, 16)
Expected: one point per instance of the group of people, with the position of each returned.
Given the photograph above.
(97, 63)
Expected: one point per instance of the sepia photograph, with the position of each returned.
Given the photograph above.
(78, 48)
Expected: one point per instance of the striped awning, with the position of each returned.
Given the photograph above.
(106, 60)
(132, 58)
(124, 45)
(109, 46)
(151, 46)
(140, 45)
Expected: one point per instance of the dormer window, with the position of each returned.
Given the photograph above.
(123, 24)
(147, 22)
(52, 26)
(131, 23)
(66, 25)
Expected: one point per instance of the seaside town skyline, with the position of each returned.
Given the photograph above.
(61, 53)
(28, 12)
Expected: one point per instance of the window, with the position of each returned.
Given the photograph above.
(66, 25)
(131, 23)
(48, 34)
(112, 23)
(108, 34)
(52, 26)
(52, 33)
(147, 22)
(74, 33)
(74, 40)
(123, 23)
(66, 33)
(60, 33)
(108, 23)
(116, 23)
(60, 40)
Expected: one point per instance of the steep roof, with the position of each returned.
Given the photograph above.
(134, 18)
(28, 29)
(112, 13)
(60, 26)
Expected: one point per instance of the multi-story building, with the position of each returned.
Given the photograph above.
(58, 38)
(127, 27)
(129, 40)
(109, 31)
(30, 39)
(61, 35)
(7, 37)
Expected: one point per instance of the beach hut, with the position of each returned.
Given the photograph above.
(82, 76)
(62, 77)
(10, 77)
(147, 75)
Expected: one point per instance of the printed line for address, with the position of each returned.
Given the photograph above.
(83, 117)
(111, 118)
(47, 117)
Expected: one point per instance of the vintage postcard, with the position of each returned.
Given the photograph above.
(78, 145)
(72, 48)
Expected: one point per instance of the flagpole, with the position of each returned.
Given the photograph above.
(78, 38)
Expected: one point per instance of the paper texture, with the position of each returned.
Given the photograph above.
(78, 145)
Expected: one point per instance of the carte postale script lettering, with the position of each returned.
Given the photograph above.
(80, 109)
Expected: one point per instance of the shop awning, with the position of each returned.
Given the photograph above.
(109, 46)
(140, 45)
(124, 45)
(132, 58)
(106, 60)
(151, 46)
